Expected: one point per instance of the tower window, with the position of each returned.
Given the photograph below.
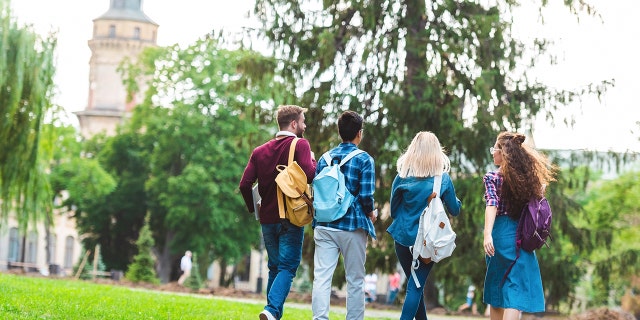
(136, 33)
(112, 31)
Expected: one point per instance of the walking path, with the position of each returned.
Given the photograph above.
(369, 312)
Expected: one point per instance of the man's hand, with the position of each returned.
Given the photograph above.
(373, 215)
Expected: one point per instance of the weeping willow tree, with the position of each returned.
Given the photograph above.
(26, 86)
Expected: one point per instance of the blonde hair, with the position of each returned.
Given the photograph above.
(424, 157)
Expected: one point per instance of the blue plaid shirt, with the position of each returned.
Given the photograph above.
(360, 180)
(493, 187)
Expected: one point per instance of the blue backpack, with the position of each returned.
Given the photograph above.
(331, 199)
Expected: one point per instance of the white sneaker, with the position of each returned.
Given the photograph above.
(266, 315)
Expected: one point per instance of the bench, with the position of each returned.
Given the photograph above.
(26, 266)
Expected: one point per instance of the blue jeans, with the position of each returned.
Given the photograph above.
(414, 301)
(283, 242)
(392, 296)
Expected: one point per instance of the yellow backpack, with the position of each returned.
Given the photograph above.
(294, 193)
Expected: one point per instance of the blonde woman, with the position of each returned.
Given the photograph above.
(410, 191)
(522, 174)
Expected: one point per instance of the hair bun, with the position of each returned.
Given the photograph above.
(519, 138)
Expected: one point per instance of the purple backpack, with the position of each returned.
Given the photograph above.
(533, 228)
(535, 225)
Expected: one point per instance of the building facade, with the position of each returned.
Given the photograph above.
(40, 249)
(119, 36)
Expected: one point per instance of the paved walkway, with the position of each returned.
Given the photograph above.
(369, 312)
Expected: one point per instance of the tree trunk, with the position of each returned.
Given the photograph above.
(431, 294)
(164, 260)
(223, 271)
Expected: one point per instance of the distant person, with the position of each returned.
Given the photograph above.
(282, 239)
(348, 235)
(411, 188)
(471, 293)
(370, 287)
(522, 174)
(185, 267)
(394, 287)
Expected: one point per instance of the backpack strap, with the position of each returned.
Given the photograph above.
(327, 157)
(350, 155)
(518, 243)
(292, 150)
(279, 194)
(437, 183)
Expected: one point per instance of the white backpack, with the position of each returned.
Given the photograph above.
(435, 240)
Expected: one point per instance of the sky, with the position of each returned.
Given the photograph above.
(589, 51)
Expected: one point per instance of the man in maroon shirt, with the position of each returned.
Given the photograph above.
(282, 239)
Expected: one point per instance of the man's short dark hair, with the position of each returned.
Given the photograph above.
(349, 124)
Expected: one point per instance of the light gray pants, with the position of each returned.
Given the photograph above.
(329, 244)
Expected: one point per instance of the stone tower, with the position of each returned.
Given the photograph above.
(122, 32)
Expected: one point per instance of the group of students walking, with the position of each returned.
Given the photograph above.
(423, 159)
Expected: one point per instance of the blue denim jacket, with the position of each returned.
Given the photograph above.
(409, 197)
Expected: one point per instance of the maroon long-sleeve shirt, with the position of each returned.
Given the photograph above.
(262, 168)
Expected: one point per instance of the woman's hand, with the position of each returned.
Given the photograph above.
(489, 219)
(488, 245)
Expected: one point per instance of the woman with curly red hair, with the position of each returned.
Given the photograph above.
(523, 173)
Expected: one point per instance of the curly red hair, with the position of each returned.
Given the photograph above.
(526, 172)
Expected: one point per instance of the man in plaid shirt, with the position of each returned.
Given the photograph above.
(347, 235)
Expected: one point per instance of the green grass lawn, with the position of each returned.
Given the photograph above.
(24, 297)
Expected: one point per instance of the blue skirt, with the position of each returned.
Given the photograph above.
(522, 288)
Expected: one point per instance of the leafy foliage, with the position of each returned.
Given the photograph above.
(195, 148)
(26, 87)
(612, 215)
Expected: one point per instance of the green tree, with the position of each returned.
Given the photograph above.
(450, 67)
(199, 146)
(182, 153)
(612, 216)
(113, 218)
(143, 267)
(194, 281)
(26, 88)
